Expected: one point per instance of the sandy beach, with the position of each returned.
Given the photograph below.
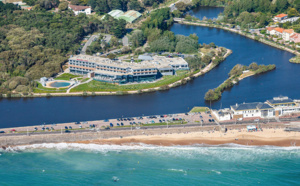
(274, 137)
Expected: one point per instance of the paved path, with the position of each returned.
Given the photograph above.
(125, 41)
(88, 43)
(68, 91)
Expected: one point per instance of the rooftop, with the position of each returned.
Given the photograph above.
(157, 62)
(116, 13)
(78, 8)
(251, 106)
(281, 15)
(290, 31)
(278, 29)
(279, 100)
(130, 16)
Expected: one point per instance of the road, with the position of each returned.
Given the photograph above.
(144, 127)
(125, 41)
(88, 43)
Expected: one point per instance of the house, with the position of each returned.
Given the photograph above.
(280, 17)
(248, 110)
(80, 9)
(292, 19)
(286, 34)
(283, 105)
(270, 30)
(295, 38)
(222, 115)
(278, 31)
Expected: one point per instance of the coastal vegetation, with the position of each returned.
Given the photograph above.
(295, 59)
(237, 73)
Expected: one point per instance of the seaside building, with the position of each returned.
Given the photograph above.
(295, 38)
(223, 114)
(80, 9)
(117, 71)
(256, 109)
(280, 17)
(283, 105)
(287, 33)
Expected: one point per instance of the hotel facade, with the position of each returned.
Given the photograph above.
(117, 71)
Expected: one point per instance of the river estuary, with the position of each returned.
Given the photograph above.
(282, 81)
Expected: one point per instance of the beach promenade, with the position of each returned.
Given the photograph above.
(270, 134)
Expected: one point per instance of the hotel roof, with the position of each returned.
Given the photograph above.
(251, 106)
(157, 62)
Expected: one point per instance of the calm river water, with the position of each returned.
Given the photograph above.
(283, 81)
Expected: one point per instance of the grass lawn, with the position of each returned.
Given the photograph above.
(199, 109)
(97, 86)
(41, 89)
(66, 76)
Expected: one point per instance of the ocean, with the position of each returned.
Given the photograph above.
(90, 164)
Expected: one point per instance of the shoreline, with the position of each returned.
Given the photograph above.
(271, 135)
(275, 45)
(190, 77)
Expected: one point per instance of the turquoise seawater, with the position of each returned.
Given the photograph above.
(75, 164)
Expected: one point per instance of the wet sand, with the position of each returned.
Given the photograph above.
(273, 137)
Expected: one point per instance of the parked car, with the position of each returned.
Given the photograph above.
(111, 125)
(122, 124)
(70, 127)
(67, 131)
(66, 127)
(77, 122)
(2, 131)
(118, 124)
(209, 120)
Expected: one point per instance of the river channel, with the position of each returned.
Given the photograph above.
(282, 81)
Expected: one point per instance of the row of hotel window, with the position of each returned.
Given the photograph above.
(93, 65)
(139, 72)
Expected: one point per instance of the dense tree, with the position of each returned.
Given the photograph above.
(63, 5)
(135, 5)
(181, 6)
(137, 38)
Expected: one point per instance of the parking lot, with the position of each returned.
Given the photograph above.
(164, 119)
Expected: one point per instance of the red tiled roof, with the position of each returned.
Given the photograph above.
(281, 15)
(279, 29)
(290, 31)
(295, 37)
(270, 28)
(78, 8)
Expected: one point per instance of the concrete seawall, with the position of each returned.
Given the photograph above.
(84, 136)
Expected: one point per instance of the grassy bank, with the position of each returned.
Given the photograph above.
(295, 59)
(236, 74)
(41, 89)
(97, 86)
(66, 76)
